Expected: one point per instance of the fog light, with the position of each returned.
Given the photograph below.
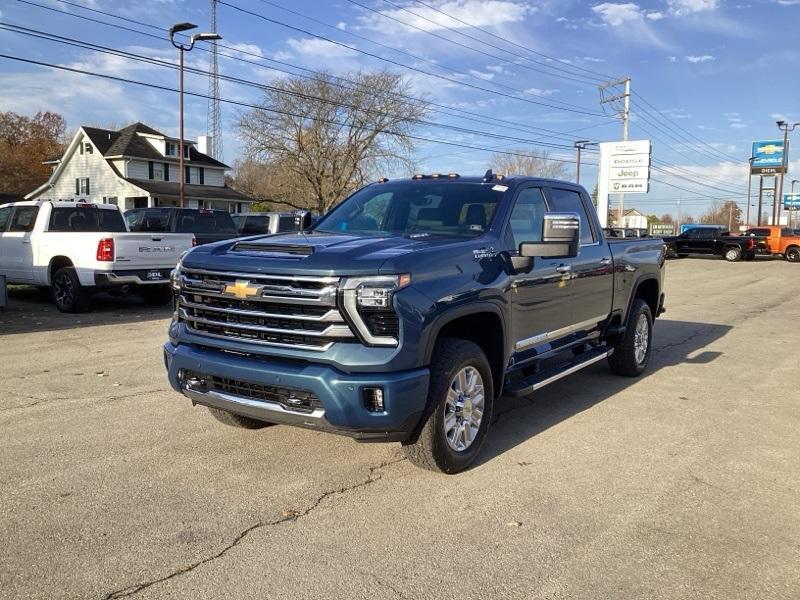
(373, 399)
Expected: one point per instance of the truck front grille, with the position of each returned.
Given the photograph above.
(275, 310)
(289, 398)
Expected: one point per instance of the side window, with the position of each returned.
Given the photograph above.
(24, 218)
(527, 217)
(570, 201)
(5, 212)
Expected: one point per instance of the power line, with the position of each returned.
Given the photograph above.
(473, 116)
(256, 107)
(410, 67)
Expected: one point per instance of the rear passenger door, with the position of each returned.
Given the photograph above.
(592, 273)
(16, 246)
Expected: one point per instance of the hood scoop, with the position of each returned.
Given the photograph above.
(290, 249)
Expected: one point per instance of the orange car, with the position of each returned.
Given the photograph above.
(778, 241)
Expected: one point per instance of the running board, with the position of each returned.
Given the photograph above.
(548, 376)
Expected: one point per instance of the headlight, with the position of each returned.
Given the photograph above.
(175, 274)
(368, 302)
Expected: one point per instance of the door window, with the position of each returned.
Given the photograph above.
(5, 212)
(527, 217)
(570, 201)
(24, 218)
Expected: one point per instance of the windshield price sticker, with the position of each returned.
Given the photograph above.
(500, 188)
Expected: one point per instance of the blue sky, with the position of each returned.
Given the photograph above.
(709, 76)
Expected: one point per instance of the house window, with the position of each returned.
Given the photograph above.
(88, 147)
(171, 149)
(186, 148)
(113, 200)
(82, 186)
(80, 148)
(158, 171)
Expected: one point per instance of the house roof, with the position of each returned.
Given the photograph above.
(195, 192)
(126, 142)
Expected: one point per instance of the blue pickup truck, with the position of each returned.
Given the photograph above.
(410, 309)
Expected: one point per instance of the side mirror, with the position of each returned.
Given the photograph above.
(561, 237)
(304, 220)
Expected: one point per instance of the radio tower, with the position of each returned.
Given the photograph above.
(214, 117)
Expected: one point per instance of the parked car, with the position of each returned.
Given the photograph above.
(206, 225)
(409, 308)
(688, 226)
(259, 223)
(77, 249)
(777, 241)
(709, 240)
(622, 232)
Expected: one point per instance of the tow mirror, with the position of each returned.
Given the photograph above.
(561, 237)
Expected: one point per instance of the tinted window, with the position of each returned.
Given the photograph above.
(151, 219)
(89, 218)
(288, 223)
(5, 212)
(570, 201)
(24, 218)
(527, 217)
(255, 224)
(789, 232)
(195, 221)
(416, 207)
(759, 232)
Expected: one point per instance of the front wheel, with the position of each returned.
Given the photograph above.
(459, 411)
(632, 352)
(67, 293)
(732, 253)
(793, 254)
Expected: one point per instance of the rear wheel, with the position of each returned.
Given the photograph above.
(632, 352)
(156, 295)
(793, 254)
(732, 253)
(67, 293)
(234, 420)
(459, 412)
(749, 257)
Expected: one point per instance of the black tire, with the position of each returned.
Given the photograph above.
(793, 254)
(239, 421)
(682, 255)
(749, 257)
(670, 251)
(624, 360)
(732, 253)
(156, 295)
(67, 293)
(429, 447)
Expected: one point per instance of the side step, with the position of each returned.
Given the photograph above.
(548, 376)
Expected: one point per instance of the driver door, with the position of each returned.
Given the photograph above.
(541, 300)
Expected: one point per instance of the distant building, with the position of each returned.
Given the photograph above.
(138, 167)
(633, 219)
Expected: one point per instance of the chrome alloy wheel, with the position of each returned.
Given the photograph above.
(641, 339)
(463, 409)
(63, 290)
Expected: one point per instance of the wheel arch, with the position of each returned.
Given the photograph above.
(56, 263)
(646, 288)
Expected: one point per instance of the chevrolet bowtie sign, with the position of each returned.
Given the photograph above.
(243, 289)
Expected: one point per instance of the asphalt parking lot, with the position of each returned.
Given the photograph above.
(681, 484)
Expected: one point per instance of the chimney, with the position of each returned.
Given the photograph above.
(204, 144)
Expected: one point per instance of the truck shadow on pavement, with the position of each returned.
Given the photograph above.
(31, 310)
(518, 419)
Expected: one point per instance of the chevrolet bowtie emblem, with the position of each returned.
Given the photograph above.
(242, 289)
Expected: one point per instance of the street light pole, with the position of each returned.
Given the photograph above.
(749, 188)
(786, 128)
(580, 145)
(183, 47)
(795, 208)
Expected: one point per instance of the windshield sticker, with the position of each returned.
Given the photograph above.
(500, 188)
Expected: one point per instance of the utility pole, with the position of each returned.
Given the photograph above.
(749, 187)
(730, 218)
(624, 112)
(580, 145)
(679, 212)
(214, 115)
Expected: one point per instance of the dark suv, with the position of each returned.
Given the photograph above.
(206, 225)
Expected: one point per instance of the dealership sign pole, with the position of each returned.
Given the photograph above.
(624, 169)
(768, 159)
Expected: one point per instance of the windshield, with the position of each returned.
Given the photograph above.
(416, 207)
(202, 221)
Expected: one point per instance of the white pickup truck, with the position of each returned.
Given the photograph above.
(76, 249)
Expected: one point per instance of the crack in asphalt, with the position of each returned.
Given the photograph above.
(68, 398)
(290, 516)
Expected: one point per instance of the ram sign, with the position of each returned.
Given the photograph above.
(768, 157)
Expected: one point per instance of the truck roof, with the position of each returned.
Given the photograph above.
(61, 204)
(492, 178)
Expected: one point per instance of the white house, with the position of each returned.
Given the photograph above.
(137, 167)
(633, 219)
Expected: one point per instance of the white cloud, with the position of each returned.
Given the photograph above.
(341, 25)
(319, 48)
(687, 7)
(593, 59)
(479, 12)
(540, 92)
(655, 15)
(481, 75)
(243, 50)
(700, 59)
(673, 59)
(617, 14)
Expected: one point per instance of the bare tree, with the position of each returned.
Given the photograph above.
(666, 218)
(728, 214)
(522, 162)
(318, 141)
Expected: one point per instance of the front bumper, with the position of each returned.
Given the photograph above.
(340, 395)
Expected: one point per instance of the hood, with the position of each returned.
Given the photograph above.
(321, 253)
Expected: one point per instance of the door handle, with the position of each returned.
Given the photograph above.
(564, 268)
(26, 241)
(605, 261)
